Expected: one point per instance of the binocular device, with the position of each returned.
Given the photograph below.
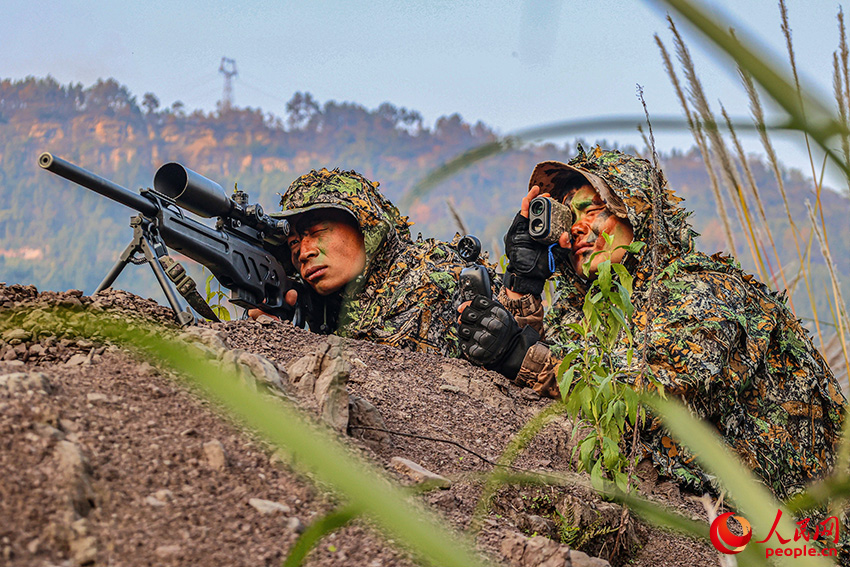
(548, 219)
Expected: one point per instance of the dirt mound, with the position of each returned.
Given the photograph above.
(106, 461)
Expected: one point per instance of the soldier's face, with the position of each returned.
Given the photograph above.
(592, 218)
(327, 249)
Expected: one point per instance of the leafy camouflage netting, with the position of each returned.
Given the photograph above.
(710, 334)
(407, 295)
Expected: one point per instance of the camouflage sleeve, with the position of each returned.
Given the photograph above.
(538, 371)
(527, 310)
(413, 304)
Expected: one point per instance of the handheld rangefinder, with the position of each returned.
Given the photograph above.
(548, 219)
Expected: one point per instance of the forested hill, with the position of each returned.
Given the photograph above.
(59, 236)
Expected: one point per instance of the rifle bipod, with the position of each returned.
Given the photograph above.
(168, 272)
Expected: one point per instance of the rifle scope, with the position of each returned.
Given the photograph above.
(192, 191)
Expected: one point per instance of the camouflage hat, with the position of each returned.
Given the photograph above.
(551, 175)
(320, 190)
(292, 216)
(379, 220)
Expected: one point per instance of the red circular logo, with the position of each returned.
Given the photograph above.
(724, 540)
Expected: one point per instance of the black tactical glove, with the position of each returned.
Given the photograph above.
(490, 337)
(529, 265)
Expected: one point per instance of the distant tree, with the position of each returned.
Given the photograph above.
(301, 109)
(389, 113)
(453, 131)
(40, 98)
(150, 103)
(110, 98)
(412, 119)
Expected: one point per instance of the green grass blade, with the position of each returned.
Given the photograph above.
(581, 127)
(317, 450)
(317, 530)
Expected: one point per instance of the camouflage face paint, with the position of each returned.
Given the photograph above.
(328, 250)
(593, 218)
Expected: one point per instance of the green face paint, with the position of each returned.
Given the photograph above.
(592, 219)
(327, 249)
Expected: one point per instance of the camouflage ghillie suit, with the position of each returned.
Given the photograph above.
(712, 335)
(406, 296)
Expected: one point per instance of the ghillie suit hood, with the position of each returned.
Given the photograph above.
(404, 297)
(711, 334)
(627, 186)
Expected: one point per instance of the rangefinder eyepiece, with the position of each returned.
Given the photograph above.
(548, 219)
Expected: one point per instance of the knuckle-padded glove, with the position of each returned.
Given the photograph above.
(529, 265)
(490, 337)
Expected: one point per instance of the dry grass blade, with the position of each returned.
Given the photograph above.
(838, 91)
(819, 121)
(841, 316)
(456, 216)
(758, 118)
(718, 145)
(742, 159)
(699, 137)
(786, 31)
(842, 96)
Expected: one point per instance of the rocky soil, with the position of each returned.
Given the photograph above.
(107, 460)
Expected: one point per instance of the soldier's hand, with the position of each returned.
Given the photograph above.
(490, 336)
(260, 315)
(291, 298)
(529, 197)
(528, 260)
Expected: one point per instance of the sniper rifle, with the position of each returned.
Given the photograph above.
(242, 250)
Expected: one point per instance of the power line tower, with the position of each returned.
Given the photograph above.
(228, 69)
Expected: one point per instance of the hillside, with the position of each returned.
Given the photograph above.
(59, 236)
(109, 460)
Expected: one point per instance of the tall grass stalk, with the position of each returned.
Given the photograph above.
(805, 111)
(842, 96)
(843, 323)
(758, 117)
(789, 44)
(699, 138)
(697, 129)
(751, 182)
(718, 146)
(742, 159)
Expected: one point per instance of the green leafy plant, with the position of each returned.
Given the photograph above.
(214, 297)
(590, 382)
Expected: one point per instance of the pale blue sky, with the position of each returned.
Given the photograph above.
(508, 64)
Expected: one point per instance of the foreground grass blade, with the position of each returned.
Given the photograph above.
(515, 447)
(317, 451)
(579, 127)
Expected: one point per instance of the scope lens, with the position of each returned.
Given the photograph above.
(537, 207)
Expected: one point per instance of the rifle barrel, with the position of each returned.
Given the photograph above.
(97, 184)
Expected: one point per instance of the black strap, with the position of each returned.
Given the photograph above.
(187, 288)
